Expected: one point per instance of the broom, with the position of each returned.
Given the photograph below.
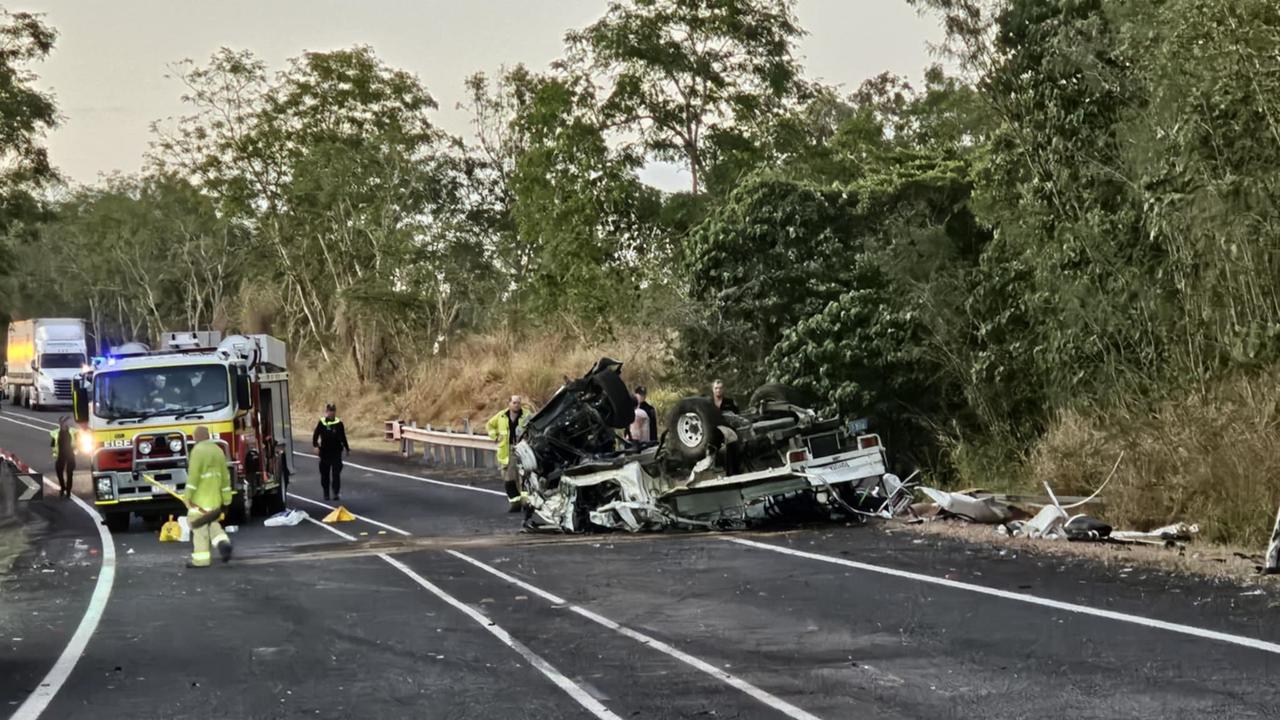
(201, 521)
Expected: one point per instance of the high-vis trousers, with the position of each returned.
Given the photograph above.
(203, 535)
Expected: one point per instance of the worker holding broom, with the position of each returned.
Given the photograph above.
(208, 492)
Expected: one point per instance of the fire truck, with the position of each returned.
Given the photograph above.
(140, 409)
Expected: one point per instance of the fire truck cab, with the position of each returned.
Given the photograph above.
(140, 409)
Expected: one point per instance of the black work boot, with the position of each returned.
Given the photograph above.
(224, 549)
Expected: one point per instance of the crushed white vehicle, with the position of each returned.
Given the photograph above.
(777, 460)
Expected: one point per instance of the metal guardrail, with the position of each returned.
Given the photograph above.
(460, 448)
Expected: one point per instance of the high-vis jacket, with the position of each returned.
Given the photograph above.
(330, 437)
(499, 427)
(208, 480)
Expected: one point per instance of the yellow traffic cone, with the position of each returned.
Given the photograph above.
(339, 515)
(171, 531)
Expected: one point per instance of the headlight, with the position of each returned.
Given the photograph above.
(175, 445)
(86, 443)
(144, 447)
(104, 488)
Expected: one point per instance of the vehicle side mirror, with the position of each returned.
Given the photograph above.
(80, 400)
(244, 392)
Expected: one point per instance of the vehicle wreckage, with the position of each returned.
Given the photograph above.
(776, 460)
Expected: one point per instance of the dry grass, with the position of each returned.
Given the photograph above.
(474, 379)
(1211, 458)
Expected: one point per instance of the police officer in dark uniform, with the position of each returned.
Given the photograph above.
(330, 441)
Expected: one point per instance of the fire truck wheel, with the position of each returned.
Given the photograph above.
(235, 511)
(117, 522)
(273, 502)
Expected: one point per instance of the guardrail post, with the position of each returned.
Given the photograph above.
(467, 453)
(408, 450)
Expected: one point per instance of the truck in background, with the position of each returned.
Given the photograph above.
(44, 356)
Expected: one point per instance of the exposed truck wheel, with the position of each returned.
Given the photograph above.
(778, 392)
(273, 501)
(693, 429)
(117, 522)
(236, 510)
(622, 404)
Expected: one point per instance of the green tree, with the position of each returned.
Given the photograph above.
(349, 189)
(136, 257)
(691, 76)
(26, 114)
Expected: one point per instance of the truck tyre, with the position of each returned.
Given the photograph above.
(777, 392)
(274, 501)
(236, 510)
(693, 429)
(117, 522)
(622, 404)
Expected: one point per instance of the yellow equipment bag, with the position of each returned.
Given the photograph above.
(341, 514)
(171, 531)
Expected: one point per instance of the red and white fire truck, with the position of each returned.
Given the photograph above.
(140, 409)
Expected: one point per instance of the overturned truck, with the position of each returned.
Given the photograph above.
(777, 459)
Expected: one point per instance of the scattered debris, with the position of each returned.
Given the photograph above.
(979, 509)
(285, 518)
(1083, 527)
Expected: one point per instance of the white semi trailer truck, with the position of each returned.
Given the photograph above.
(44, 356)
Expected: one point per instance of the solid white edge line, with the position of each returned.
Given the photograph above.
(39, 700)
(737, 683)
(575, 691)
(1022, 597)
(360, 517)
(411, 477)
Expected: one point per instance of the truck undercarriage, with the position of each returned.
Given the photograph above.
(777, 460)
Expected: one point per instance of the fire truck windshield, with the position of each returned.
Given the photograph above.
(150, 392)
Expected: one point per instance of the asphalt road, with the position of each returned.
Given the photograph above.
(431, 605)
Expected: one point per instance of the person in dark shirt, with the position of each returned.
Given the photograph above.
(722, 401)
(63, 443)
(330, 440)
(652, 435)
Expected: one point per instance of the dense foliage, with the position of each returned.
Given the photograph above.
(1084, 213)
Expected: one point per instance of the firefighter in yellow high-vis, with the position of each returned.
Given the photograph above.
(505, 427)
(208, 492)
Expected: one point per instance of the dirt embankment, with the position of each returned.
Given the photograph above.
(473, 379)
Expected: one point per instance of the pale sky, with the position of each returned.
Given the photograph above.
(108, 68)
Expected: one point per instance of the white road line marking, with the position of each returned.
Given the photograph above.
(457, 486)
(1021, 597)
(581, 696)
(763, 696)
(333, 530)
(39, 700)
(371, 521)
(32, 418)
(19, 422)
(575, 691)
